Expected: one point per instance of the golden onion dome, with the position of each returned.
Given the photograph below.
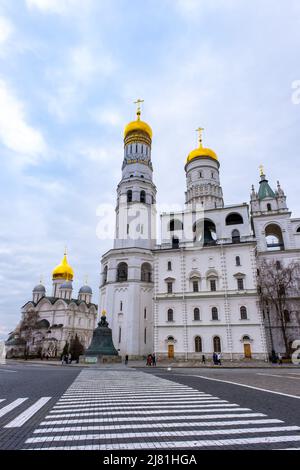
(201, 151)
(138, 125)
(63, 270)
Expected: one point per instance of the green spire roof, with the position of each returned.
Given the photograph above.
(264, 189)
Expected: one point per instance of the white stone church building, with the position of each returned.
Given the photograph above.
(195, 292)
(49, 321)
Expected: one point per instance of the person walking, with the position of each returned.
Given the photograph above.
(203, 359)
(219, 359)
(214, 359)
(279, 357)
(70, 358)
(126, 359)
(153, 360)
(149, 360)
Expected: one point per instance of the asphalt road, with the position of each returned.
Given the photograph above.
(96, 408)
(277, 404)
(32, 382)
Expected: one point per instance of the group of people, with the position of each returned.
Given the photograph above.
(151, 360)
(66, 359)
(217, 359)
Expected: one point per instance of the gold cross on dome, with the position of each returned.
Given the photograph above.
(262, 170)
(138, 103)
(200, 130)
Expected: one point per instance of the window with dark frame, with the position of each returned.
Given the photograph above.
(195, 286)
(213, 285)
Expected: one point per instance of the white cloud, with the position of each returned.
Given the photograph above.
(192, 9)
(86, 63)
(60, 7)
(15, 133)
(6, 29)
(111, 117)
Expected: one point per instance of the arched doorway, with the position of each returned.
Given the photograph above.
(247, 347)
(171, 342)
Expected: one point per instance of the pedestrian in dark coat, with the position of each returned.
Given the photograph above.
(153, 360)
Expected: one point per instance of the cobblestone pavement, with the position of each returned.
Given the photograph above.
(128, 409)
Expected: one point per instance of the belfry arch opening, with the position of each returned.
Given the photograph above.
(205, 232)
(274, 239)
(234, 219)
(146, 272)
(122, 272)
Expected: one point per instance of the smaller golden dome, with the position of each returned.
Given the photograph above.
(138, 125)
(63, 270)
(201, 151)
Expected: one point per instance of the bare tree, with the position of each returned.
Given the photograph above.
(279, 286)
(27, 325)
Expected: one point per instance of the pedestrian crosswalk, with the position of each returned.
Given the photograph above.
(115, 410)
(25, 415)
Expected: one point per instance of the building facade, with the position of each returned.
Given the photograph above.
(48, 322)
(278, 241)
(194, 292)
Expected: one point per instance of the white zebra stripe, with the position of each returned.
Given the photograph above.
(27, 414)
(172, 408)
(122, 404)
(6, 409)
(157, 425)
(179, 444)
(154, 418)
(133, 412)
(130, 435)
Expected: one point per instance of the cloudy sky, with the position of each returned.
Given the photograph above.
(70, 70)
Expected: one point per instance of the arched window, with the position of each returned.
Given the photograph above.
(175, 224)
(205, 232)
(175, 242)
(234, 219)
(269, 207)
(122, 272)
(217, 344)
(237, 261)
(145, 335)
(274, 238)
(198, 344)
(129, 195)
(196, 314)
(235, 236)
(105, 275)
(214, 313)
(170, 314)
(146, 272)
(169, 266)
(298, 230)
(246, 338)
(243, 312)
(143, 196)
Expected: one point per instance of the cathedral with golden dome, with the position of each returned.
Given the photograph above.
(49, 322)
(194, 291)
